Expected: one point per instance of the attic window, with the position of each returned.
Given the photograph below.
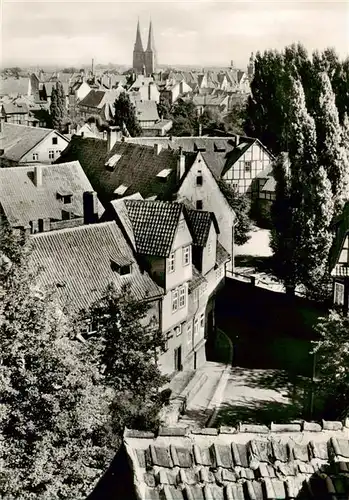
(110, 164)
(122, 267)
(66, 197)
(163, 175)
(247, 166)
(199, 178)
(121, 190)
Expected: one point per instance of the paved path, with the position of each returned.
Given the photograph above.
(253, 395)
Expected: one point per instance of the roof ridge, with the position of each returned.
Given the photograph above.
(271, 430)
(76, 228)
(28, 127)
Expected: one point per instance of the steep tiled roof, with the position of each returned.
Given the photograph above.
(50, 85)
(221, 255)
(200, 224)
(154, 225)
(188, 144)
(22, 201)
(146, 111)
(12, 107)
(196, 280)
(14, 86)
(215, 162)
(17, 140)
(254, 463)
(137, 168)
(234, 155)
(93, 99)
(79, 261)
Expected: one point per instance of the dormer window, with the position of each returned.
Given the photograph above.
(163, 175)
(54, 140)
(65, 197)
(110, 164)
(123, 267)
(121, 190)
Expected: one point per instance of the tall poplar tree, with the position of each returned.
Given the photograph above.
(301, 244)
(331, 152)
(125, 115)
(58, 107)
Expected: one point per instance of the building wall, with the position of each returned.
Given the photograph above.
(182, 273)
(17, 118)
(44, 148)
(82, 91)
(209, 252)
(249, 165)
(212, 200)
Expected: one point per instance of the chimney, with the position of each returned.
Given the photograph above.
(2, 121)
(90, 203)
(237, 140)
(38, 175)
(180, 164)
(44, 225)
(112, 137)
(200, 129)
(157, 149)
(149, 92)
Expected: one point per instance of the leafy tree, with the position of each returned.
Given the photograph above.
(164, 108)
(235, 119)
(58, 107)
(55, 416)
(301, 244)
(125, 115)
(332, 363)
(240, 204)
(127, 344)
(331, 153)
(65, 402)
(185, 120)
(265, 107)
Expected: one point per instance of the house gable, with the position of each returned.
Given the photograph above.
(47, 150)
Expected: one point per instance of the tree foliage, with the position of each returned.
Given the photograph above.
(64, 401)
(58, 107)
(241, 207)
(125, 115)
(332, 363)
(303, 211)
(185, 120)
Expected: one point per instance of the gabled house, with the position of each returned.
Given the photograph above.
(17, 113)
(242, 164)
(146, 88)
(23, 145)
(43, 198)
(340, 262)
(98, 103)
(146, 113)
(199, 186)
(170, 256)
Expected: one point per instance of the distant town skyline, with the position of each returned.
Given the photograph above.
(200, 32)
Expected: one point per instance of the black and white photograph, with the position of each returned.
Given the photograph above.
(174, 250)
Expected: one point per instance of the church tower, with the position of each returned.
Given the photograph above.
(150, 58)
(138, 53)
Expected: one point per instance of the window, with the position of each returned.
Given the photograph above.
(189, 332)
(339, 294)
(125, 270)
(199, 205)
(247, 166)
(51, 154)
(199, 179)
(175, 300)
(35, 156)
(178, 330)
(182, 296)
(186, 256)
(54, 140)
(202, 320)
(196, 327)
(67, 199)
(209, 247)
(171, 263)
(58, 151)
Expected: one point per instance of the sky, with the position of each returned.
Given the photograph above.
(197, 32)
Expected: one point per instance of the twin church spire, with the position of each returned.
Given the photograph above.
(144, 61)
